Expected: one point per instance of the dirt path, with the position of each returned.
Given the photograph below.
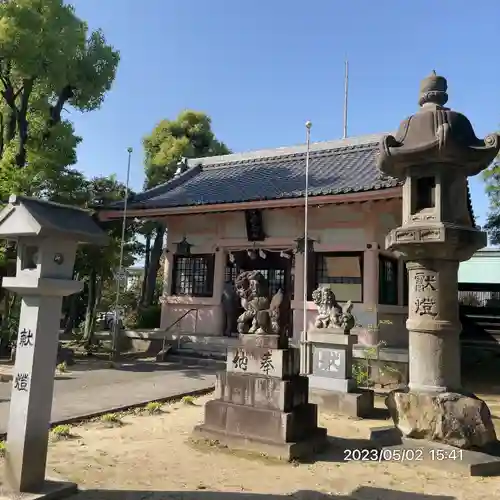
(152, 454)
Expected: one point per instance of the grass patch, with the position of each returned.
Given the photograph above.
(60, 432)
(154, 407)
(3, 448)
(188, 400)
(111, 419)
(62, 367)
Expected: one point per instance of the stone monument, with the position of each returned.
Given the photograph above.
(262, 402)
(331, 343)
(47, 236)
(434, 152)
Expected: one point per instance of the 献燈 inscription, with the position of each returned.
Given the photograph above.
(21, 382)
(426, 306)
(25, 338)
(425, 282)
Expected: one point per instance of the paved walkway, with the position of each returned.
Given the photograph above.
(90, 387)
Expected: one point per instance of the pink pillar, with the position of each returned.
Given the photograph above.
(370, 287)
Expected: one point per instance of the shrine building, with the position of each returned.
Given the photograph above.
(245, 211)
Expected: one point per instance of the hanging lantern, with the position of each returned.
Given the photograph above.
(184, 247)
(300, 245)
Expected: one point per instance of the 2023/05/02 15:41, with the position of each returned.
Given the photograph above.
(401, 455)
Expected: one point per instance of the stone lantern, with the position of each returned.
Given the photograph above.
(47, 236)
(434, 152)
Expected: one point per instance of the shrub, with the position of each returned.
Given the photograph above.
(61, 432)
(3, 448)
(188, 400)
(149, 317)
(62, 367)
(111, 419)
(154, 407)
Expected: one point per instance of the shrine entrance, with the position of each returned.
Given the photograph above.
(276, 266)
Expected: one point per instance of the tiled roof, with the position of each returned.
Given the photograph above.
(335, 167)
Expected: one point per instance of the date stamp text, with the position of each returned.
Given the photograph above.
(401, 455)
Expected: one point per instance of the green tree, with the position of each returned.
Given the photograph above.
(190, 135)
(48, 59)
(492, 179)
(97, 266)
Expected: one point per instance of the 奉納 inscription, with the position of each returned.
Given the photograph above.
(21, 382)
(426, 306)
(425, 282)
(266, 362)
(25, 338)
(240, 360)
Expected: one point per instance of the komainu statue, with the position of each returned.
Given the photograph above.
(330, 313)
(261, 315)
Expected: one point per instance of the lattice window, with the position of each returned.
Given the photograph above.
(343, 272)
(388, 280)
(232, 271)
(193, 275)
(276, 279)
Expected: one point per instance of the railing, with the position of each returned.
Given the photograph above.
(164, 343)
(175, 323)
(479, 295)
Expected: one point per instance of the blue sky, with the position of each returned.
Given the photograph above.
(260, 69)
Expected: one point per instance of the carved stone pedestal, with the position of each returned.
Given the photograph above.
(262, 402)
(331, 382)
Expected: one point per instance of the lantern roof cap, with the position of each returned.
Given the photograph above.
(436, 135)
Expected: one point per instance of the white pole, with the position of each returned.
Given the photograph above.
(116, 324)
(346, 95)
(304, 356)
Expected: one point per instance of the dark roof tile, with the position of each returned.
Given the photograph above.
(338, 167)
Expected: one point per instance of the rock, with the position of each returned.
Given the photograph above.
(456, 419)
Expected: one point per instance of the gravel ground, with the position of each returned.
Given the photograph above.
(151, 457)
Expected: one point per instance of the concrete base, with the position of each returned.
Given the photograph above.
(353, 404)
(332, 384)
(438, 455)
(52, 490)
(315, 442)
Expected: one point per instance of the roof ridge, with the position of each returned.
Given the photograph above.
(349, 142)
(285, 157)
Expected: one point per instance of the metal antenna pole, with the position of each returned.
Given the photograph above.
(116, 323)
(346, 94)
(304, 360)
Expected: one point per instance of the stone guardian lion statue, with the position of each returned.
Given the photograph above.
(260, 315)
(330, 313)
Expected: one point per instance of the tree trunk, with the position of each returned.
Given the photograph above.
(55, 111)
(72, 313)
(90, 315)
(10, 99)
(10, 126)
(154, 265)
(6, 311)
(22, 122)
(147, 261)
